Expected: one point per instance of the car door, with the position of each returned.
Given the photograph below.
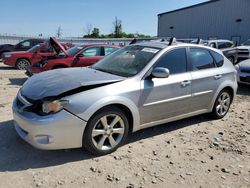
(163, 98)
(206, 78)
(88, 56)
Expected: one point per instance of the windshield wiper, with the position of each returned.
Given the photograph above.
(102, 70)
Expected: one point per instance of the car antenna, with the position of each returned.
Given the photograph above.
(172, 41)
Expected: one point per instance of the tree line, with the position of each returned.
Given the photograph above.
(94, 32)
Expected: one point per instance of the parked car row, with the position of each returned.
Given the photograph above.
(135, 87)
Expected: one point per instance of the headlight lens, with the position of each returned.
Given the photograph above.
(54, 106)
(7, 55)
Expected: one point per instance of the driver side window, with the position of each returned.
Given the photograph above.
(175, 61)
(92, 52)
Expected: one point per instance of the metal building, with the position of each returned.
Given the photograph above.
(215, 19)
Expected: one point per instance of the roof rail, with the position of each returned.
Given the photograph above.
(172, 41)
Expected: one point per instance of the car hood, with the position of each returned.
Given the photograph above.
(245, 64)
(57, 46)
(63, 82)
(243, 47)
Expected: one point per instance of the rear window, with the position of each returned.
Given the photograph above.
(219, 59)
(201, 59)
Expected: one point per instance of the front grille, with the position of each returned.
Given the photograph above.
(245, 70)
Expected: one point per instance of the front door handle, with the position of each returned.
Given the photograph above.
(185, 83)
(218, 76)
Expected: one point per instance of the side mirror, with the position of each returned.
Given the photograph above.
(160, 72)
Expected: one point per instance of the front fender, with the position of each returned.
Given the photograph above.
(88, 113)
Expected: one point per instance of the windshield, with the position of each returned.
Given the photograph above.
(127, 61)
(247, 43)
(34, 48)
(72, 51)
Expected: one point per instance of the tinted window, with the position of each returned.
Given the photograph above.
(72, 51)
(222, 45)
(175, 61)
(109, 50)
(229, 44)
(25, 44)
(91, 52)
(201, 59)
(219, 59)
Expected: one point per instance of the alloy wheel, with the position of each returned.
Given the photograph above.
(108, 132)
(223, 104)
(22, 64)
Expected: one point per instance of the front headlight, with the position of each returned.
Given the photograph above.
(54, 106)
(7, 55)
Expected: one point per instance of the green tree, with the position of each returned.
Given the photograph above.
(117, 28)
(95, 33)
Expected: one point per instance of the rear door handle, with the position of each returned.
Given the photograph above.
(218, 76)
(185, 83)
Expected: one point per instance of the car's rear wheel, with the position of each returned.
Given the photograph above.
(106, 131)
(222, 104)
(22, 64)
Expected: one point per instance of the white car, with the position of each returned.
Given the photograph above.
(243, 72)
(244, 50)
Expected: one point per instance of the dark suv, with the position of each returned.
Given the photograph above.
(21, 46)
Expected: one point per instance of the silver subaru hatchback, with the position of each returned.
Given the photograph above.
(136, 87)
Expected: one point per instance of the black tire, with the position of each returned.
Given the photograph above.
(95, 124)
(22, 64)
(224, 106)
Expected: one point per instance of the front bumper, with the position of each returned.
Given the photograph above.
(62, 130)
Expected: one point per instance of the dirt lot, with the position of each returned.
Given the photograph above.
(194, 152)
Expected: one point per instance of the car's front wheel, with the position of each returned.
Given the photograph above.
(106, 131)
(22, 64)
(222, 104)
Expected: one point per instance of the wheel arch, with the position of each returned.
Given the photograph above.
(230, 86)
(124, 104)
(23, 58)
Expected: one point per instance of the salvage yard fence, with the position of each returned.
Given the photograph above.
(14, 39)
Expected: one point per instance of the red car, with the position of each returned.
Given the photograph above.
(23, 59)
(78, 56)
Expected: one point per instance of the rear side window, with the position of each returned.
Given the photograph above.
(219, 59)
(175, 61)
(201, 59)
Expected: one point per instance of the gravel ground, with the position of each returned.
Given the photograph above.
(195, 152)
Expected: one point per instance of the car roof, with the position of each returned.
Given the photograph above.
(163, 45)
(220, 40)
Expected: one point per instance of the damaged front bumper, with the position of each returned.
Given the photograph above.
(61, 130)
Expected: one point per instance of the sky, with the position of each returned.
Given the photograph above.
(34, 17)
